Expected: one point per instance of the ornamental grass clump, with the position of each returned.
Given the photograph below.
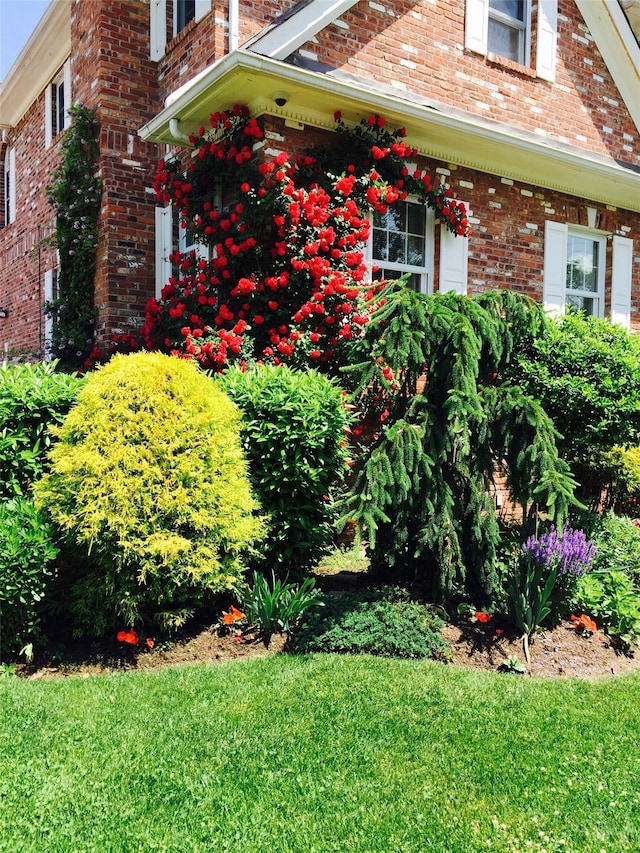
(544, 579)
(149, 492)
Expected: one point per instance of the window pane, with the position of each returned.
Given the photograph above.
(582, 263)
(416, 251)
(60, 125)
(583, 304)
(397, 248)
(511, 8)
(413, 281)
(506, 41)
(380, 245)
(416, 215)
(186, 12)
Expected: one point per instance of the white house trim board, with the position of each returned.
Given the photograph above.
(286, 35)
(619, 48)
(555, 266)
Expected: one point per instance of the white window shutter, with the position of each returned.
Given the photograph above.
(454, 253)
(164, 244)
(48, 106)
(202, 7)
(157, 29)
(621, 274)
(12, 185)
(476, 25)
(66, 71)
(546, 42)
(48, 322)
(555, 266)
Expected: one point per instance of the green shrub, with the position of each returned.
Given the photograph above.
(585, 372)
(293, 432)
(613, 600)
(148, 488)
(379, 622)
(26, 554)
(617, 542)
(32, 397)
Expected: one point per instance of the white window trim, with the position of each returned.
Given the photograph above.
(10, 170)
(555, 266)
(600, 238)
(425, 272)
(63, 79)
(163, 248)
(477, 30)
(158, 24)
(50, 277)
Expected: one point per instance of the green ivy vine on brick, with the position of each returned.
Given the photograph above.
(75, 193)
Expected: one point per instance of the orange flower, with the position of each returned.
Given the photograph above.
(150, 642)
(584, 622)
(129, 637)
(483, 617)
(234, 615)
(499, 631)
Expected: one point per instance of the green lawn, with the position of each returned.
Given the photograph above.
(317, 754)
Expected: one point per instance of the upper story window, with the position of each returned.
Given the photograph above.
(168, 17)
(508, 29)
(505, 29)
(184, 11)
(57, 103)
(9, 186)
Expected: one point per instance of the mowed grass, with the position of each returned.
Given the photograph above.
(316, 754)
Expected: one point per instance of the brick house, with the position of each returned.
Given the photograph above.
(528, 111)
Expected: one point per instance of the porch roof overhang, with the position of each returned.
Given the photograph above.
(436, 130)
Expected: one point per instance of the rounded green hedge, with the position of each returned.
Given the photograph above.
(149, 491)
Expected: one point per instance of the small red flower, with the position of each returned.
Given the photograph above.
(483, 617)
(129, 637)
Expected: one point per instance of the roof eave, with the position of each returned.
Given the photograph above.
(312, 98)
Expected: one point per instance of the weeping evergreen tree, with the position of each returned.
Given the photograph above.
(430, 369)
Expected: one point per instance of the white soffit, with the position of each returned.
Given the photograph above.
(452, 137)
(43, 55)
(619, 48)
(282, 38)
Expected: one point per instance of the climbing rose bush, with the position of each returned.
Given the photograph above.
(284, 278)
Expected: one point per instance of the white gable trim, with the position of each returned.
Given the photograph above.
(619, 48)
(281, 39)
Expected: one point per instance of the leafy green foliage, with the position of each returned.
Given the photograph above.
(381, 622)
(585, 372)
(430, 369)
(148, 488)
(75, 193)
(613, 600)
(32, 398)
(293, 433)
(26, 554)
(529, 591)
(617, 542)
(278, 607)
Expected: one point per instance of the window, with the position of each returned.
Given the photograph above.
(401, 242)
(508, 29)
(184, 11)
(57, 103)
(503, 28)
(169, 236)
(50, 294)
(575, 262)
(585, 273)
(9, 185)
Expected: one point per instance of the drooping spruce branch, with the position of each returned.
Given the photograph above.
(430, 370)
(75, 193)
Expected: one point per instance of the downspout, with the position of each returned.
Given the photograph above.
(178, 135)
(234, 25)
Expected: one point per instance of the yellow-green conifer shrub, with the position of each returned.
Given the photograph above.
(149, 490)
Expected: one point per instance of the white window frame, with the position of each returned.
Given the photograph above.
(61, 84)
(555, 271)
(166, 242)
(158, 24)
(477, 33)
(425, 272)
(599, 239)
(9, 182)
(522, 28)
